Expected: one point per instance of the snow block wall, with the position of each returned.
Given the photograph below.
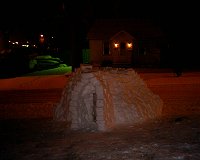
(103, 99)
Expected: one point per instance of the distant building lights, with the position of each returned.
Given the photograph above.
(25, 45)
(41, 38)
(14, 42)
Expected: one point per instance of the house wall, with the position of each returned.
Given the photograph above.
(96, 51)
(145, 54)
(121, 55)
(117, 55)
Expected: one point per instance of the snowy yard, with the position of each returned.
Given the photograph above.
(173, 136)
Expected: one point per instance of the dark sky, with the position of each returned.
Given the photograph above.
(176, 18)
(38, 12)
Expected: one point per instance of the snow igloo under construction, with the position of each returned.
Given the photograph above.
(105, 98)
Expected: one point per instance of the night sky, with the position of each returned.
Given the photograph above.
(34, 15)
(179, 20)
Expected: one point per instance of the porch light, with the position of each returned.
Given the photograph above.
(129, 45)
(116, 45)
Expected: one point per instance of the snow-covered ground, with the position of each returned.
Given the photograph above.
(181, 95)
(174, 136)
(33, 82)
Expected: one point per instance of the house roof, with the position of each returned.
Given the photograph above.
(122, 32)
(106, 28)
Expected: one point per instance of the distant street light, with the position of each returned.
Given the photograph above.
(41, 38)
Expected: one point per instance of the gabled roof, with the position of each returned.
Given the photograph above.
(106, 28)
(122, 33)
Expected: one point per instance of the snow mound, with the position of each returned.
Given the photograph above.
(106, 98)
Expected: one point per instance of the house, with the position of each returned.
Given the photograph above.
(127, 42)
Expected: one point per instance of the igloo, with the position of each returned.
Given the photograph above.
(105, 98)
